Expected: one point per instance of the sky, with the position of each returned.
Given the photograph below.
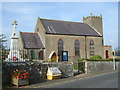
(26, 13)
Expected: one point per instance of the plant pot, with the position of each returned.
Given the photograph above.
(19, 82)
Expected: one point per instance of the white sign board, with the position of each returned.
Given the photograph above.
(53, 71)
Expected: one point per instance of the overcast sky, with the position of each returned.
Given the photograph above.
(26, 14)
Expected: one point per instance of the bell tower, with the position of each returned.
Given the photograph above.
(94, 22)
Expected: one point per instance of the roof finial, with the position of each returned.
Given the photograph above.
(91, 14)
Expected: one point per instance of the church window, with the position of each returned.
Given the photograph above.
(91, 47)
(60, 49)
(77, 48)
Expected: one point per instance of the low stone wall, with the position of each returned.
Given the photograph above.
(100, 66)
(65, 67)
(37, 70)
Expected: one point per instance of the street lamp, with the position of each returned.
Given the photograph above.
(113, 53)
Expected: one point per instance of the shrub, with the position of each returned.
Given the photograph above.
(97, 57)
(81, 66)
(104, 59)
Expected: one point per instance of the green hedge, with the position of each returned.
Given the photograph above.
(110, 59)
(96, 57)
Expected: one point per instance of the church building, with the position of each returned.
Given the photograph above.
(51, 37)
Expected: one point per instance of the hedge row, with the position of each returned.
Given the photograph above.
(110, 59)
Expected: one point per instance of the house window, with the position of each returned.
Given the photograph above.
(41, 55)
(60, 49)
(92, 48)
(32, 54)
(77, 48)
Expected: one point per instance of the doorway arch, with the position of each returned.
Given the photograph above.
(53, 56)
(106, 54)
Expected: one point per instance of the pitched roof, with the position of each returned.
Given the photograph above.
(68, 28)
(31, 40)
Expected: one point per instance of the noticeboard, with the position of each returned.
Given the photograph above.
(64, 55)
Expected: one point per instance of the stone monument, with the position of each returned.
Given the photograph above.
(14, 55)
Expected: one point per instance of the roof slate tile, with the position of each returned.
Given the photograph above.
(68, 28)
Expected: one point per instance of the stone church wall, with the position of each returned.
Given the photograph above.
(68, 42)
(98, 47)
(41, 32)
(109, 48)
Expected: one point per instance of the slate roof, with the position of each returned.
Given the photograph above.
(68, 28)
(31, 40)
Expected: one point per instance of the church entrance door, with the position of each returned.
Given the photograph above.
(106, 52)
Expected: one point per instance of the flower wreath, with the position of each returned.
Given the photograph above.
(14, 58)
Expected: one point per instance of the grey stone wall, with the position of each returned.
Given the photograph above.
(37, 70)
(66, 68)
(99, 66)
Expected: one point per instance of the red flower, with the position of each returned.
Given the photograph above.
(16, 77)
(25, 77)
(18, 74)
(12, 75)
(25, 73)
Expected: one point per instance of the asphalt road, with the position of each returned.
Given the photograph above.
(109, 80)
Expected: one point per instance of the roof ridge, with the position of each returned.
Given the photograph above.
(62, 20)
(28, 32)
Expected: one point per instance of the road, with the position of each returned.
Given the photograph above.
(109, 80)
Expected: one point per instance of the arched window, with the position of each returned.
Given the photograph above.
(60, 49)
(91, 47)
(77, 48)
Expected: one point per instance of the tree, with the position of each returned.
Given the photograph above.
(3, 47)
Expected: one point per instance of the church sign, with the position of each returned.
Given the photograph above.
(64, 55)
